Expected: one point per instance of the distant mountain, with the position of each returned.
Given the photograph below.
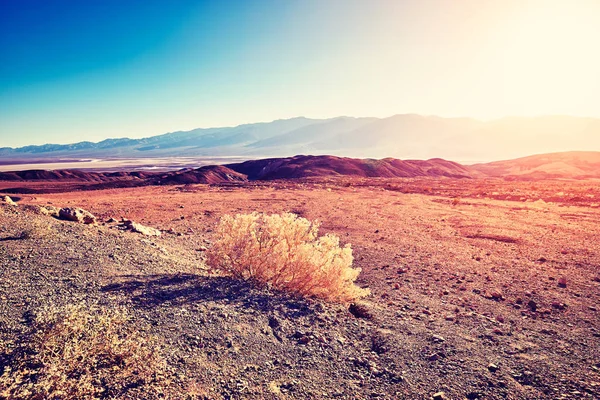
(405, 136)
(85, 180)
(575, 164)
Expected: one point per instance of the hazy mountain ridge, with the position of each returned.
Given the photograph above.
(404, 136)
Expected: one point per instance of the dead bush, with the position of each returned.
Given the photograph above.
(285, 252)
(81, 352)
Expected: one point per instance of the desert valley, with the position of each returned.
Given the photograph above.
(484, 279)
(300, 199)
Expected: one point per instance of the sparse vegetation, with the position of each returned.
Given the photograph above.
(285, 252)
(35, 230)
(81, 352)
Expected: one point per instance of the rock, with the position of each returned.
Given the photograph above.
(438, 339)
(360, 310)
(493, 367)
(76, 215)
(139, 228)
(532, 305)
(380, 341)
(439, 396)
(474, 395)
(496, 294)
(49, 210)
(7, 200)
(562, 282)
(274, 322)
(111, 220)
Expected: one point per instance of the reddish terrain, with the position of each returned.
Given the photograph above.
(464, 275)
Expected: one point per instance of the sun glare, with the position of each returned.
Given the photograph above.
(547, 52)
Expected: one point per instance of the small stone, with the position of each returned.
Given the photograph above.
(438, 339)
(562, 282)
(439, 396)
(493, 368)
(532, 305)
(304, 340)
(360, 310)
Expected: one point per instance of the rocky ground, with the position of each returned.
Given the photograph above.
(480, 289)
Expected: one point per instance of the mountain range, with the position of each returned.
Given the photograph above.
(405, 136)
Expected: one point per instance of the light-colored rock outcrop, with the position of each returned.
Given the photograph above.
(7, 200)
(139, 228)
(76, 215)
(49, 210)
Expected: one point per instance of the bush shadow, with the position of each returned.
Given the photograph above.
(180, 289)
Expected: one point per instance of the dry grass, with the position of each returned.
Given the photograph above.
(81, 352)
(285, 252)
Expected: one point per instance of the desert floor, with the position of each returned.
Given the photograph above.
(466, 280)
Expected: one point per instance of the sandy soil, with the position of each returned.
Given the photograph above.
(464, 278)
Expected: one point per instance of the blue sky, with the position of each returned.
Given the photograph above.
(88, 70)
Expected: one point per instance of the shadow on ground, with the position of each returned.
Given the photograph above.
(179, 289)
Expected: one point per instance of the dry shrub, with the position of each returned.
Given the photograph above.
(34, 230)
(285, 252)
(81, 352)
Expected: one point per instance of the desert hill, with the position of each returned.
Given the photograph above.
(318, 166)
(570, 165)
(576, 164)
(405, 136)
(267, 169)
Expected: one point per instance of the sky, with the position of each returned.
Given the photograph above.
(95, 69)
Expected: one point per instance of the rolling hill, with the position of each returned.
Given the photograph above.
(575, 164)
(319, 166)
